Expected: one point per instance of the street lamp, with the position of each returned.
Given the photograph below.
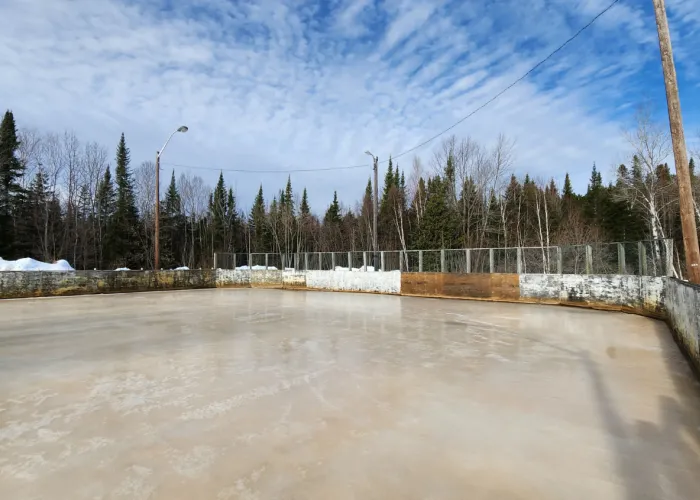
(374, 207)
(156, 264)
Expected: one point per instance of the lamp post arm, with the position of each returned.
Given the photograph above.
(166, 143)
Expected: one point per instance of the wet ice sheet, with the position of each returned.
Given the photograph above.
(269, 394)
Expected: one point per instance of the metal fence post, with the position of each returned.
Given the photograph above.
(250, 260)
(332, 261)
(621, 265)
(420, 261)
(560, 261)
(642, 258)
(519, 260)
(400, 260)
(266, 261)
(381, 260)
(442, 260)
(320, 261)
(306, 261)
(216, 255)
(491, 261)
(589, 259)
(349, 261)
(469, 261)
(364, 261)
(668, 243)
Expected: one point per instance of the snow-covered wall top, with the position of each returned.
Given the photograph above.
(350, 281)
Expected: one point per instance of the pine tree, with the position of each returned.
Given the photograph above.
(304, 208)
(568, 193)
(438, 227)
(106, 200)
(258, 224)
(126, 217)
(217, 211)
(333, 213)
(172, 226)
(11, 193)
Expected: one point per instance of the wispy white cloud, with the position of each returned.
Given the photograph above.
(285, 84)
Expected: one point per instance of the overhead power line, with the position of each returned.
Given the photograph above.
(427, 141)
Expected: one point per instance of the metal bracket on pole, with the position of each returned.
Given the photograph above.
(469, 260)
(621, 265)
(442, 260)
(491, 261)
(420, 261)
(589, 259)
(519, 260)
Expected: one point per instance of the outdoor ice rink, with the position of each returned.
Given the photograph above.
(267, 394)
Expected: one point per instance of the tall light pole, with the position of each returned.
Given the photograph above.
(375, 202)
(680, 155)
(156, 264)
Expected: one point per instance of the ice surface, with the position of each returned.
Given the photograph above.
(29, 264)
(271, 394)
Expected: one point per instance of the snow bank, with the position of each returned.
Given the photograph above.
(256, 268)
(182, 268)
(122, 269)
(29, 264)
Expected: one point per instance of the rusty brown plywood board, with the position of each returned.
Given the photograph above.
(467, 286)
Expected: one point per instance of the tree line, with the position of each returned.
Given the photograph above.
(62, 198)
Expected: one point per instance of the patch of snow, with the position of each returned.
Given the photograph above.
(256, 268)
(29, 264)
(289, 269)
(122, 269)
(182, 268)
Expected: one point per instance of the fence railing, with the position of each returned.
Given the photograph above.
(645, 258)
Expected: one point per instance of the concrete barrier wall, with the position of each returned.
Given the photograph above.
(635, 294)
(349, 281)
(232, 278)
(683, 315)
(21, 284)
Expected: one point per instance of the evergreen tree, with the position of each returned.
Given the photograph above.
(304, 208)
(333, 213)
(218, 210)
(172, 226)
(126, 217)
(11, 193)
(258, 224)
(437, 228)
(106, 201)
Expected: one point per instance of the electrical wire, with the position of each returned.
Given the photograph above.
(472, 113)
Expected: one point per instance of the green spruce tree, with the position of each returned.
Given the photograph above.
(126, 218)
(11, 193)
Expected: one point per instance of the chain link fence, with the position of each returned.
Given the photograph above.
(645, 258)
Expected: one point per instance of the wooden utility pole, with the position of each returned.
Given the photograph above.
(156, 243)
(680, 155)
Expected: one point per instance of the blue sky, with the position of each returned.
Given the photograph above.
(312, 84)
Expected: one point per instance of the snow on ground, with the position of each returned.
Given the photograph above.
(182, 268)
(122, 269)
(29, 264)
(256, 268)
